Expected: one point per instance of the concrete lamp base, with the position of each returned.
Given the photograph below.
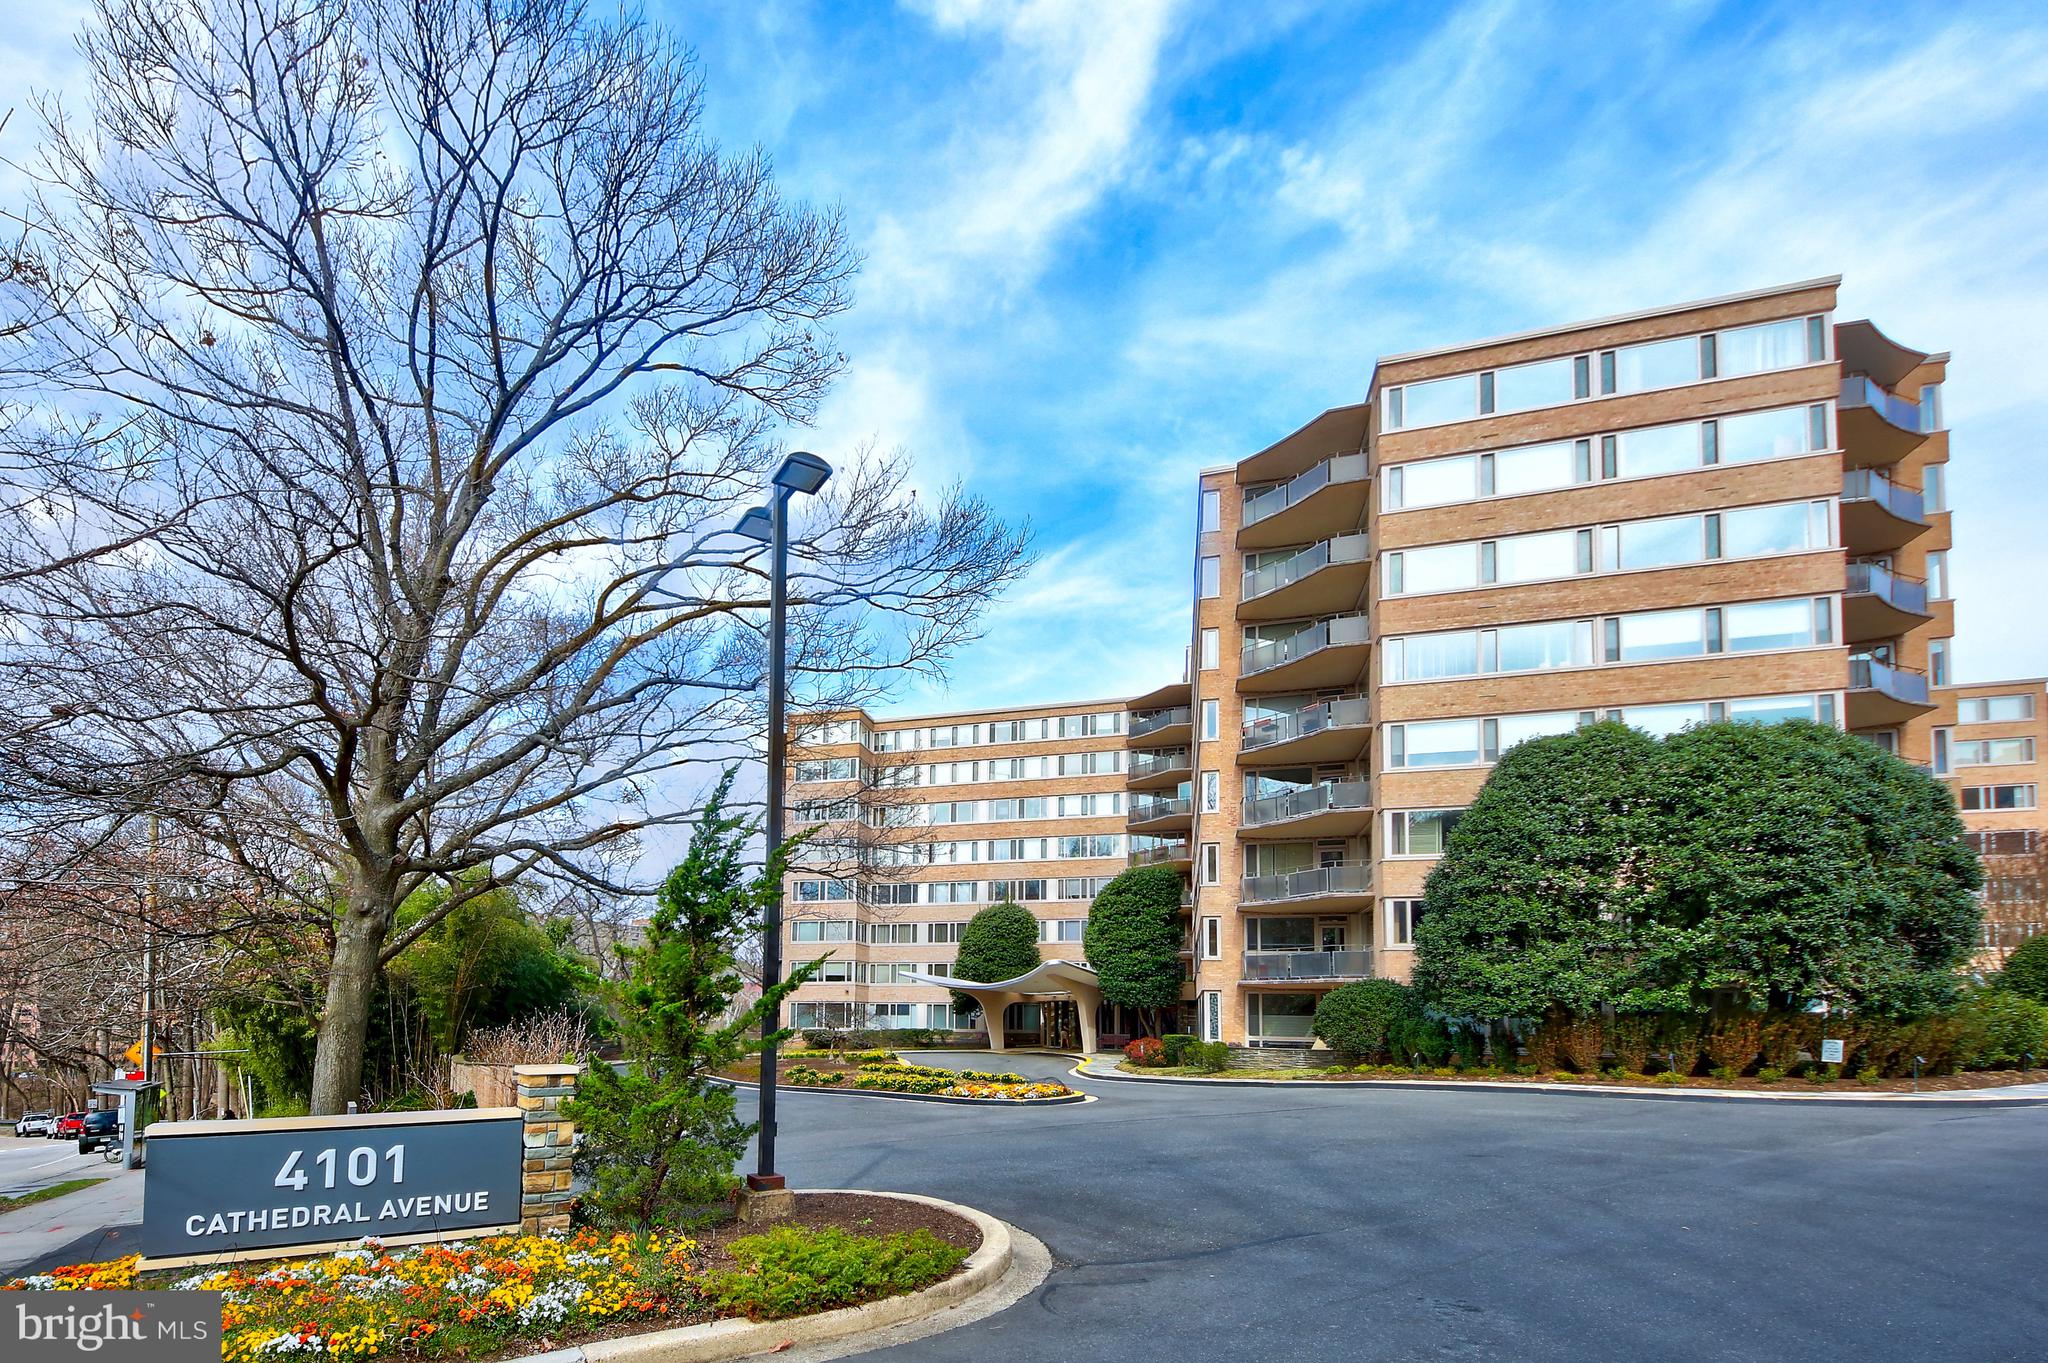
(763, 1200)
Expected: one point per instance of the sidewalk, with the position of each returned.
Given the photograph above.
(105, 1217)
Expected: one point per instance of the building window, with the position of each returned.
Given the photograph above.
(1212, 939)
(1212, 576)
(1420, 832)
(1212, 649)
(1212, 792)
(1937, 575)
(939, 1016)
(1212, 509)
(821, 930)
(1941, 742)
(1061, 929)
(1212, 1016)
(1402, 916)
(944, 932)
(1279, 1017)
(1994, 709)
(1934, 487)
(1938, 662)
(1992, 752)
(1209, 718)
(1999, 797)
(1212, 860)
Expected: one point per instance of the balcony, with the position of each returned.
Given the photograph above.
(1344, 886)
(1877, 514)
(1158, 727)
(1876, 426)
(1160, 814)
(1155, 770)
(1287, 967)
(1328, 653)
(1322, 579)
(1326, 501)
(1328, 731)
(1147, 851)
(1333, 809)
(1882, 695)
(1881, 604)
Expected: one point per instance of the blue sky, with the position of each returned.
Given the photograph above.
(1112, 242)
(1109, 244)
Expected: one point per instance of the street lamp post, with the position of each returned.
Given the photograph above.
(806, 473)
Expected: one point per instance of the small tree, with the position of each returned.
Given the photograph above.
(999, 943)
(2026, 969)
(1133, 941)
(659, 1137)
(1364, 1018)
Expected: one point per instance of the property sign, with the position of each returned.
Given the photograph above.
(1830, 1052)
(218, 1189)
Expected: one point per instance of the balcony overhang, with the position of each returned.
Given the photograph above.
(1333, 665)
(1321, 823)
(1336, 508)
(1338, 743)
(1869, 526)
(1338, 430)
(1873, 707)
(1179, 855)
(1868, 617)
(1333, 589)
(1160, 779)
(1870, 441)
(1161, 697)
(1863, 349)
(1170, 735)
(1166, 821)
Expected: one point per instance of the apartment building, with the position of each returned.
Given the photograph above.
(1726, 509)
(1993, 752)
(1723, 509)
(917, 823)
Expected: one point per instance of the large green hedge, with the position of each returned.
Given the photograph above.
(999, 943)
(1730, 865)
(2026, 969)
(1133, 941)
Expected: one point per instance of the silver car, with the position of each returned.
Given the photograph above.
(36, 1124)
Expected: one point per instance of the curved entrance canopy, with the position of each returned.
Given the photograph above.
(1046, 982)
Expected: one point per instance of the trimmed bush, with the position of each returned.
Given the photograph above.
(1149, 1051)
(1177, 1044)
(1361, 1019)
(792, 1271)
(999, 943)
(1212, 1057)
(2000, 1029)
(2026, 969)
(1133, 940)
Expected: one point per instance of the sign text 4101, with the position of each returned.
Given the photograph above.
(361, 1170)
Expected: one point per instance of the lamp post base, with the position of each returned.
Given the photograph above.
(763, 1200)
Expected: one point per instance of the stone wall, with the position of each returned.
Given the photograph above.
(545, 1196)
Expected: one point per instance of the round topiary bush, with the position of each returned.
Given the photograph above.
(1364, 1018)
(1146, 1050)
(2026, 969)
(999, 943)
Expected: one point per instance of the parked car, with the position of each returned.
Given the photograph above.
(68, 1126)
(100, 1128)
(35, 1124)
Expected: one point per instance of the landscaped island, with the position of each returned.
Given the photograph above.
(479, 1297)
(884, 1072)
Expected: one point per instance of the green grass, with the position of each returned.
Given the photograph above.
(69, 1185)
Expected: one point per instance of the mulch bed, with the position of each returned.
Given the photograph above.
(857, 1213)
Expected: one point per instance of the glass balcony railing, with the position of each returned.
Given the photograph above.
(1900, 683)
(1295, 804)
(1346, 712)
(1149, 764)
(1344, 468)
(1874, 579)
(1152, 721)
(1868, 485)
(1157, 851)
(1307, 965)
(1160, 807)
(1352, 877)
(1859, 390)
(1273, 576)
(1341, 629)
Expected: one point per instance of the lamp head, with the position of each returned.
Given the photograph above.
(757, 524)
(802, 472)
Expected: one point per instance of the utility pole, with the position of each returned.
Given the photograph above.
(149, 957)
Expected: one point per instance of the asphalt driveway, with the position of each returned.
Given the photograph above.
(1362, 1223)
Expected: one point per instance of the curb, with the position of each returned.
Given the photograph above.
(715, 1341)
(780, 1089)
(1963, 1099)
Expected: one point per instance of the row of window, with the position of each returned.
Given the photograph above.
(913, 774)
(1991, 752)
(1066, 847)
(811, 1014)
(1029, 807)
(1644, 636)
(2019, 796)
(1744, 438)
(1032, 730)
(1638, 368)
(1471, 742)
(1627, 546)
(819, 931)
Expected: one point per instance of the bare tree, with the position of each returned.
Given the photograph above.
(388, 372)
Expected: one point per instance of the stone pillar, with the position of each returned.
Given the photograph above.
(544, 1195)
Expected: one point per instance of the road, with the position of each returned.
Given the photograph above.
(28, 1163)
(89, 1223)
(1357, 1224)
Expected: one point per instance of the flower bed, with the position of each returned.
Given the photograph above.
(886, 1074)
(470, 1298)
